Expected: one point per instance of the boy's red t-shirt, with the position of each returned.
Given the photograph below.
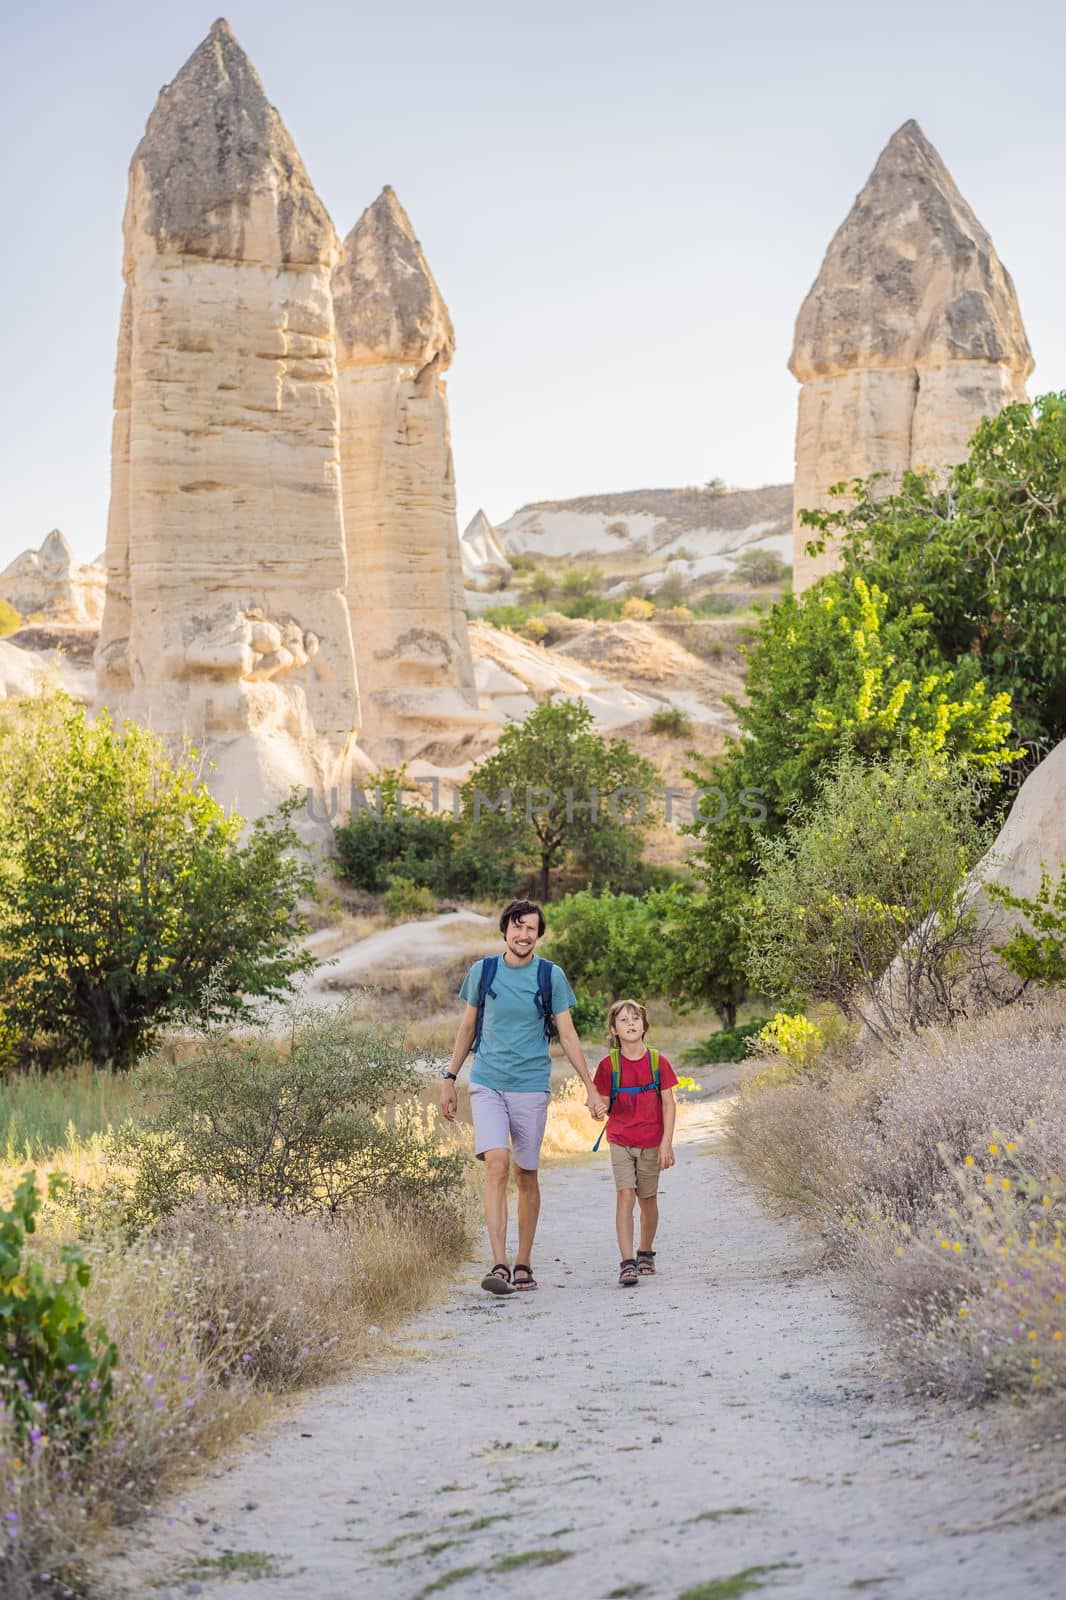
(635, 1119)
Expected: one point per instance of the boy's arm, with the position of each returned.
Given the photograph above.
(464, 1038)
(666, 1149)
(576, 1056)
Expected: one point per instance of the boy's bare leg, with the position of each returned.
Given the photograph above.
(497, 1163)
(649, 1221)
(623, 1221)
(528, 1212)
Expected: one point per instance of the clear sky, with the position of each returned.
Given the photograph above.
(624, 205)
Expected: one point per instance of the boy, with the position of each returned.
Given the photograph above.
(640, 1131)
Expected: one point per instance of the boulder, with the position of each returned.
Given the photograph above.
(485, 563)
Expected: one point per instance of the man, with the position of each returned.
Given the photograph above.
(510, 1082)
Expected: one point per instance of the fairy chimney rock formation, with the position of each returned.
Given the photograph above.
(485, 563)
(910, 335)
(52, 583)
(405, 583)
(225, 621)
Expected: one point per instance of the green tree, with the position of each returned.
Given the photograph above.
(832, 669)
(125, 886)
(555, 790)
(875, 876)
(541, 585)
(610, 944)
(983, 552)
(703, 948)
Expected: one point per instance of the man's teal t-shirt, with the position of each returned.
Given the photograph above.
(513, 1055)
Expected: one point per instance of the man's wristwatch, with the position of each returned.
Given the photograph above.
(454, 1076)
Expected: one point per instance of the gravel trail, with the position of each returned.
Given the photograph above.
(725, 1417)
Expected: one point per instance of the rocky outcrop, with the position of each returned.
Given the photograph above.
(226, 622)
(485, 563)
(405, 584)
(53, 585)
(1033, 838)
(910, 335)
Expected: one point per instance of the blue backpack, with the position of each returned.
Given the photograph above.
(617, 1087)
(542, 999)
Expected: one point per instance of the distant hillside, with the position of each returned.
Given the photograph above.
(710, 525)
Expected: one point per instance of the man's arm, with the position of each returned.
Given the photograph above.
(576, 1056)
(666, 1149)
(464, 1038)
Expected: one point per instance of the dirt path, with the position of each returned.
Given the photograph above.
(592, 1441)
(430, 942)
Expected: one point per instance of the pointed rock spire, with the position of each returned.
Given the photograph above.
(910, 335)
(405, 576)
(387, 304)
(910, 276)
(217, 173)
(226, 621)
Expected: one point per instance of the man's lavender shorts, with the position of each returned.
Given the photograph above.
(504, 1117)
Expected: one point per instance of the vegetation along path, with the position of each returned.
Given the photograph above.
(724, 1421)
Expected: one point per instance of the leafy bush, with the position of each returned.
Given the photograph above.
(125, 885)
(55, 1371)
(1037, 953)
(672, 721)
(589, 1015)
(582, 580)
(728, 1044)
(796, 1038)
(10, 620)
(404, 900)
(875, 877)
(535, 630)
(715, 605)
(316, 1123)
(609, 944)
(408, 841)
(637, 610)
(761, 566)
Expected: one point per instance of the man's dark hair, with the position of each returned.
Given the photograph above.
(519, 909)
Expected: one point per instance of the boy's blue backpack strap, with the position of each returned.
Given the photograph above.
(485, 981)
(545, 973)
(616, 1084)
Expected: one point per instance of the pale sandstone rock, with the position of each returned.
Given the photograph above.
(485, 563)
(405, 585)
(53, 584)
(1034, 835)
(226, 622)
(910, 334)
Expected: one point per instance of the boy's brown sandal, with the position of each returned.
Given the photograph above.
(628, 1275)
(646, 1263)
(527, 1280)
(498, 1281)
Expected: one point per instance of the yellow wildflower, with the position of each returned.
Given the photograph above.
(993, 1149)
(968, 1162)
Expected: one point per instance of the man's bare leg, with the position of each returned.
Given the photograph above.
(497, 1165)
(623, 1221)
(528, 1184)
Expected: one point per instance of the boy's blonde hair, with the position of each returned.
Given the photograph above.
(625, 1005)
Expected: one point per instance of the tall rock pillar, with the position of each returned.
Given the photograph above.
(910, 335)
(226, 621)
(405, 582)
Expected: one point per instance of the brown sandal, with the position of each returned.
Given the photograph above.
(646, 1263)
(628, 1274)
(498, 1281)
(527, 1280)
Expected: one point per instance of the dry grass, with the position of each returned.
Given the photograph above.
(938, 1176)
(214, 1315)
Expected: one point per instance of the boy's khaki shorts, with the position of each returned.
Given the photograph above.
(636, 1167)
